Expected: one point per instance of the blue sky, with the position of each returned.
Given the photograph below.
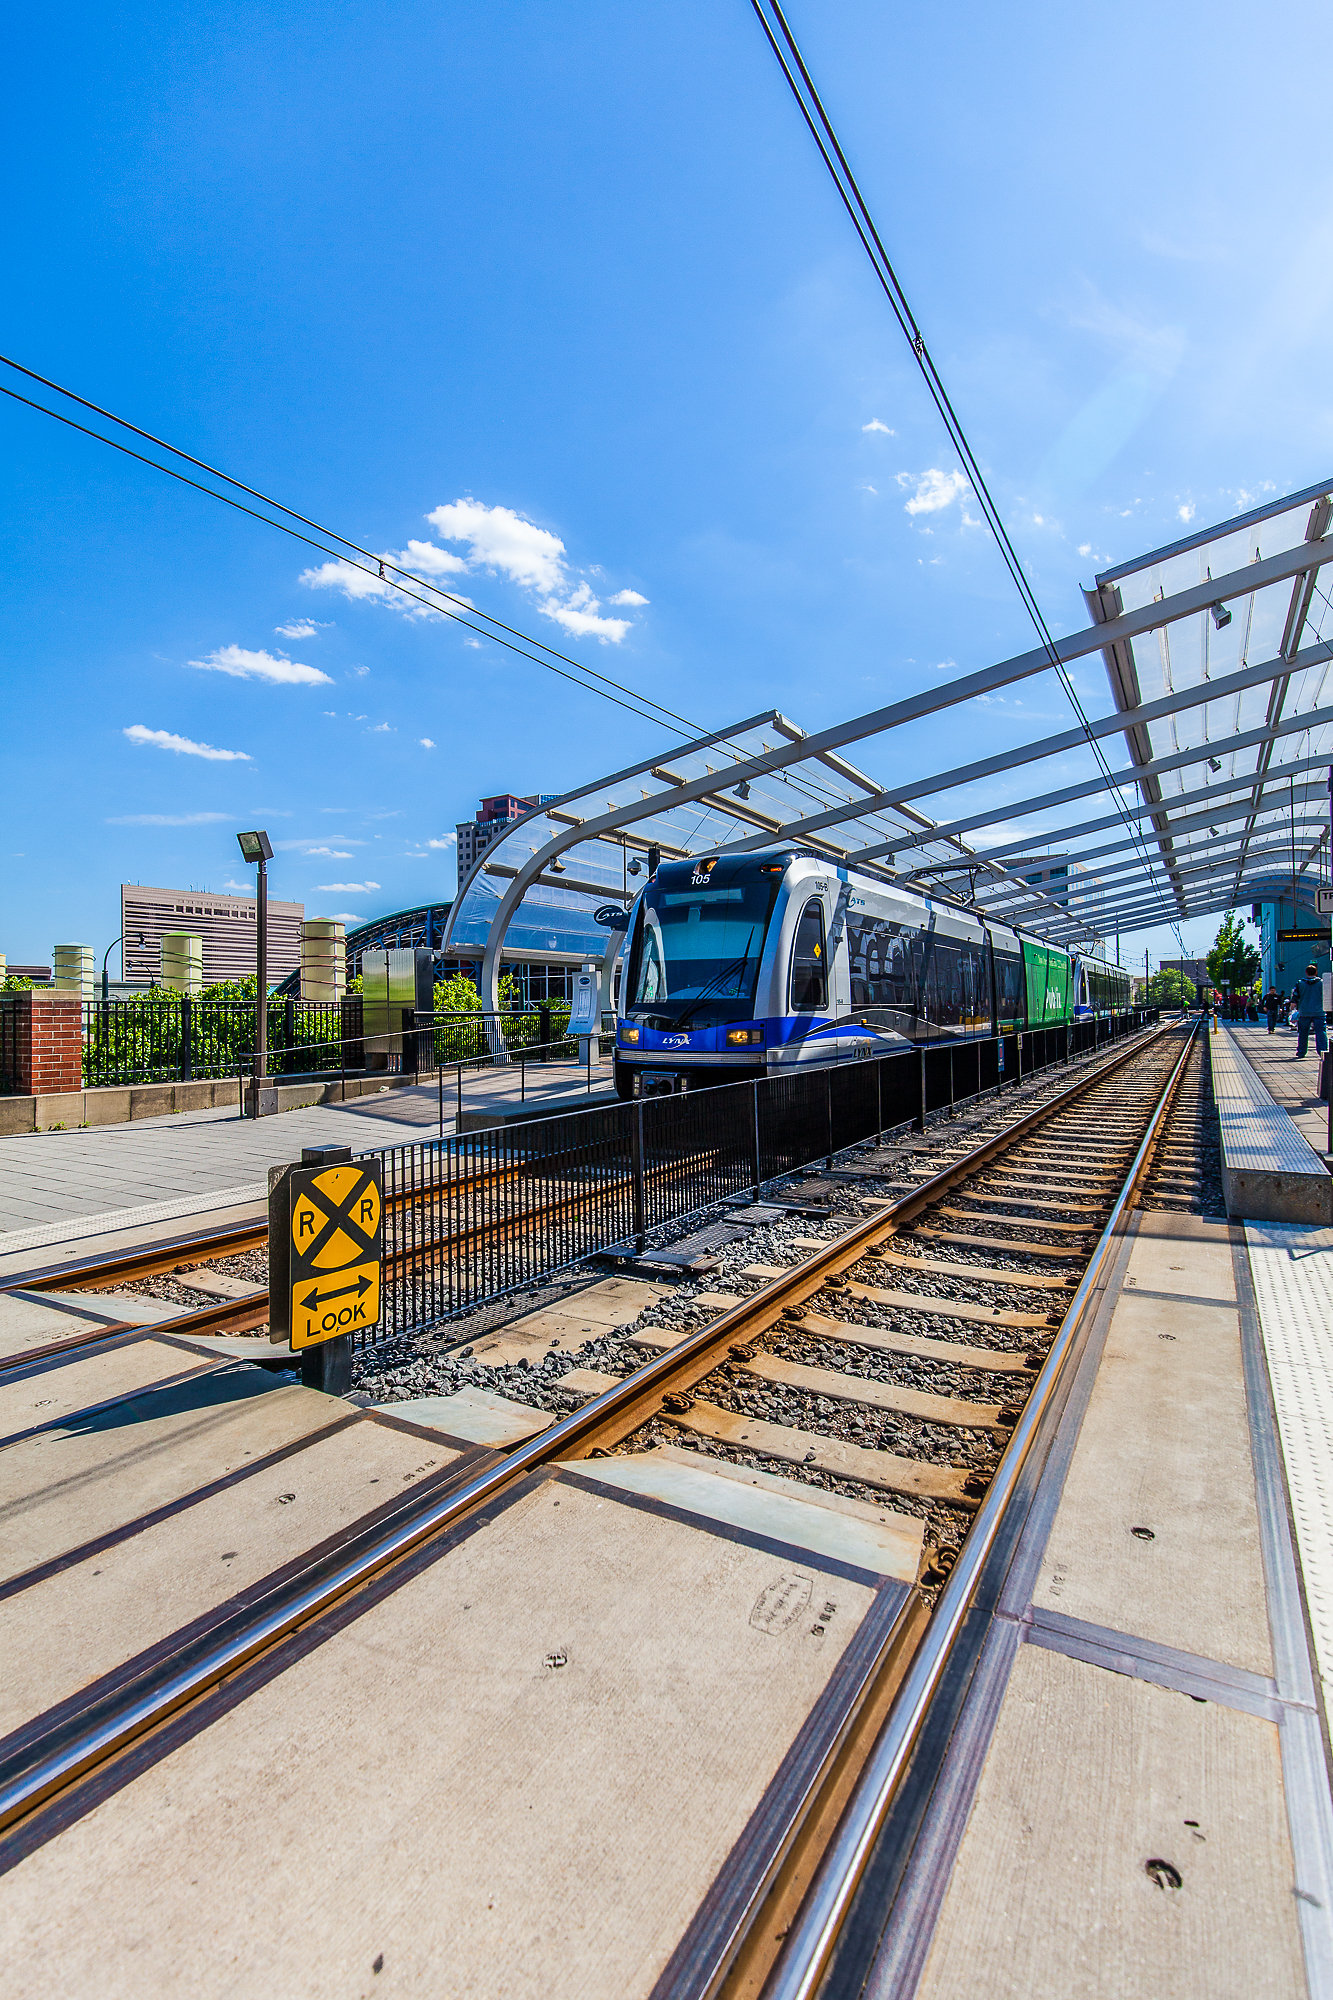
(581, 264)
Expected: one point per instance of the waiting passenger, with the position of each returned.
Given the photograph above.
(1272, 1008)
(1310, 1012)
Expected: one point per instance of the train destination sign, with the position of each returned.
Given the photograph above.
(335, 1238)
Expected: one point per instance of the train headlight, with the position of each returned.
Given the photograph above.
(629, 1034)
(740, 1037)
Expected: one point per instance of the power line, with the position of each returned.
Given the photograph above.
(379, 568)
(807, 97)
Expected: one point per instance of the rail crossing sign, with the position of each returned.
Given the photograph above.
(335, 1238)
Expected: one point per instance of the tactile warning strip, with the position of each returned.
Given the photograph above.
(128, 1218)
(1292, 1267)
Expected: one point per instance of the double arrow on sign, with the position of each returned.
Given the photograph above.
(318, 1298)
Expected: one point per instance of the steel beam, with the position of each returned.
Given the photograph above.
(1179, 760)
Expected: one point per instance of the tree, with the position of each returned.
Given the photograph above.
(1170, 988)
(1232, 962)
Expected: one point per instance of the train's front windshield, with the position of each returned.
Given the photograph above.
(697, 951)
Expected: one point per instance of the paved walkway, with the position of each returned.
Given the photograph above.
(1290, 1083)
(58, 1185)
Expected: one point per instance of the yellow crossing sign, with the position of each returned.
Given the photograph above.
(333, 1244)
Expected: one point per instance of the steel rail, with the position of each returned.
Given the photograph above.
(815, 1931)
(124, 1716)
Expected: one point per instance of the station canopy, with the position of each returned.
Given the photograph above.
(1191, 779)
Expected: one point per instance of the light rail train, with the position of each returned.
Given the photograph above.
(741, 965)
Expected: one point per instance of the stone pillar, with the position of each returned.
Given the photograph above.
(323, 960)
(74, 970)
(183, 962)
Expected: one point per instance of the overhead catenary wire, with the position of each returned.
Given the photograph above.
(379, 568)
(783, 44)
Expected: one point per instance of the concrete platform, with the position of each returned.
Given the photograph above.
(1136, 1799)
(121, 1185)
(1270, 1170)
(518, 1774)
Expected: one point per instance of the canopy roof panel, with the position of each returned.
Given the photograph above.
(1192, 780)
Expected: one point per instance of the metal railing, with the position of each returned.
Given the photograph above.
(476, 1215)
(174, 1038)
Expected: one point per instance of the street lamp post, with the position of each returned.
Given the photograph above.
(258, 848)
(106, 982)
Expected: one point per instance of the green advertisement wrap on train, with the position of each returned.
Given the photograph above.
(1047, 975)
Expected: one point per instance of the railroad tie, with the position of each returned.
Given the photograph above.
(991, 1274)
(993, 1361)
(884, 1470)
(993, 1243)
(870, 1395)
(1018, 1221)
(1034, 1201)
(980, 1315)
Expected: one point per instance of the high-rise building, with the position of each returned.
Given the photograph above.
(225, 924)
(493, 816)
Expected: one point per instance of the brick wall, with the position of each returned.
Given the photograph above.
(42, 1037)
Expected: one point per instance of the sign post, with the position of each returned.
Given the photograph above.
(326, 1245)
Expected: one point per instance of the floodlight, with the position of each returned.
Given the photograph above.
(1214, 763)
(1221, 615)
(255, 846)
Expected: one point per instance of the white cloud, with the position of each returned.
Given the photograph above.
(1085, 548)
(345, 917)
(328, 853)
(169, 819)
(344, 888)
(1186, 513)
(162, 739)
(240, 888)
(933, 490)
(300, 628)
(426, 742)
(450, 840)
(581, 614)
(876, 425)
(497, 540)
(379, 729)
(273, 667)
(359, 672)
(428, 560)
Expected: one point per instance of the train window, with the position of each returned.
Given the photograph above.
(1010, 988)
(809, 968)
(884, 968)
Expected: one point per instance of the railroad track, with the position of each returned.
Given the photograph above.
(434, 1220)
(910, 1359)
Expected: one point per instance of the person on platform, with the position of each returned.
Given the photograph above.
(1310, 1013)
(1272, 1008)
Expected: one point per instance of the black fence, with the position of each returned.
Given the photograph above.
(172, 1038)
(474, 1216)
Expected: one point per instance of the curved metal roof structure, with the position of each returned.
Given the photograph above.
(1216, 679)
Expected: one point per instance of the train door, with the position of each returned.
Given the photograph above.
(808, 997)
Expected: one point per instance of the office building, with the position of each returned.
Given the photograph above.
(225, 926)
(493, 816)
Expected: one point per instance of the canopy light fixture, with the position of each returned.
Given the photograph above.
(743, 789)
(1221, 615)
